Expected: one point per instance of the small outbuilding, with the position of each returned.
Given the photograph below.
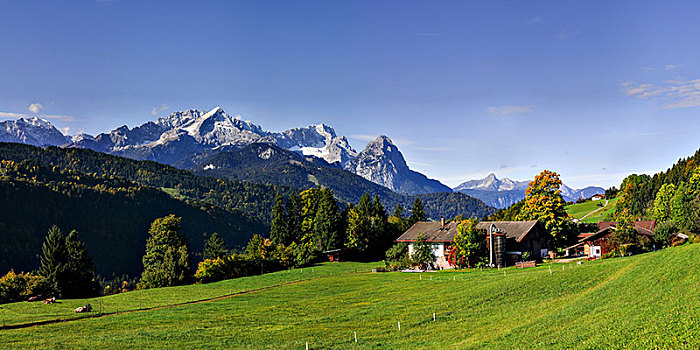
(595, 244)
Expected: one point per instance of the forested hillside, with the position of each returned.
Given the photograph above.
(265, 163)
(252, 199)
(111, 214)
(671, 197)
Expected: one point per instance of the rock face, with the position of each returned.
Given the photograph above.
(33, 131)
(183, 136)
(381, 162)
(506, 192)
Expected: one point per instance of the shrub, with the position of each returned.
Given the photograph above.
(233, 266)
(397, 252)
(16, 287)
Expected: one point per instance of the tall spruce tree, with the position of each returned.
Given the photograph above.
(166, 262)
(80, 271)
(215, 247)
(381, 238)
(278, 226)
(359, 226)
(327, 222)
(54, 258)
(417, 212)
(294, 219)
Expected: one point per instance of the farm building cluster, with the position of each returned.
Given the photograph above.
(513, 242)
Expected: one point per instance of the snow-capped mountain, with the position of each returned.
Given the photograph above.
(188, 134)
(34, 131)
(186, 138)
(492, 183)
(381, 162)
(502, 193)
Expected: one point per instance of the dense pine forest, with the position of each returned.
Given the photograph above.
(112, 215)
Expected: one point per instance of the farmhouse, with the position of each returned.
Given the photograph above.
(438, 234)
(597, 197)
(595, 244)
(514, 241)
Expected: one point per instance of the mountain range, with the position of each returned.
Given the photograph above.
(203, 141)
(502, 193)
(186, 138)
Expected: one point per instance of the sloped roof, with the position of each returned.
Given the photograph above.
(512, 229)
(609, 229)
(432, 232)
(645, 224)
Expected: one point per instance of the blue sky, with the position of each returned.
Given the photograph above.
(592, 90)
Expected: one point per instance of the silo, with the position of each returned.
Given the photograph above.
(499, 245)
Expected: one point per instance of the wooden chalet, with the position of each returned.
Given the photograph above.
(513, 238)
(438, 234)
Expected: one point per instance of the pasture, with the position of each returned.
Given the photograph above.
(644, 301)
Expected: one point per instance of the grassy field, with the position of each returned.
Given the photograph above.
(580, 210)
(643, 302)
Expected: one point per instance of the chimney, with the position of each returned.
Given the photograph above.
(442, 222)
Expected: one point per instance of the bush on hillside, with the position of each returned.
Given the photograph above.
(17, 287)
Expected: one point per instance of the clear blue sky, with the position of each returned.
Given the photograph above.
(592, 90)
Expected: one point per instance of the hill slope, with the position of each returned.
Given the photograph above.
(512, 308)
(111, 215)
(265, 163)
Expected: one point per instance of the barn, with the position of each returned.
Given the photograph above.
(515, 241)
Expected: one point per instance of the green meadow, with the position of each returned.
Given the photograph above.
(577, 211)
(648, 301)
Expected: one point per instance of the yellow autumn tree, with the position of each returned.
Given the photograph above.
(543, 202)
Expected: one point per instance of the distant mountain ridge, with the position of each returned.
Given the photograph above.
(502, 193)
(186, 138)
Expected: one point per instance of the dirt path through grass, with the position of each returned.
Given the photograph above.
(251, 291)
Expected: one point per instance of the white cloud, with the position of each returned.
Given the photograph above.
(565, 34)
(8, 115)
(532, 20)
(433, 149)
(363, 137)
(510, 110)
(156, 110)
(65, 118)
(672, 66)
(647, 69)
(65, 130)
(35, 107)
(677, 93)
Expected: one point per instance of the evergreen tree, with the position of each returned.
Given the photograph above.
(166, 262)
(80, 271)
(381, 236)
(398, 212)
(54, 258)
(327, 222)
(417, 212)
(359, 228)
(294, 219)
(215, 247)
(278, 226)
